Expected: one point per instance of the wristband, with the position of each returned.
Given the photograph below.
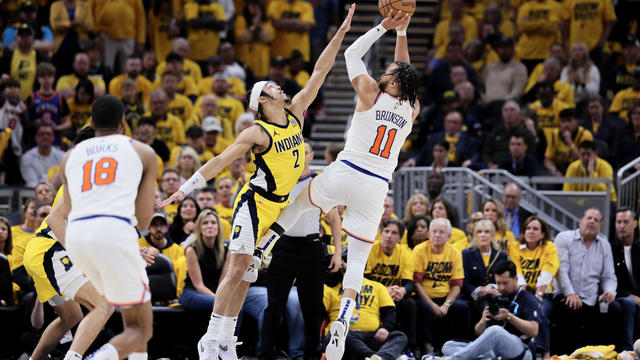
(192, 183)
(401, 32)
(448, 303)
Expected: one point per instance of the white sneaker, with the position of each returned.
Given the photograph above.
(207, 348)
(251, 275)
(227, 349)
(338, 331)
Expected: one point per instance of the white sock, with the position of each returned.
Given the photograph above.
(228, 327)
(222, 327)
(346, 308)
(215, 326)
(72, 355)
(106, 352)
(138, 356)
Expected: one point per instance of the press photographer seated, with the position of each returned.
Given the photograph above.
(507, 324)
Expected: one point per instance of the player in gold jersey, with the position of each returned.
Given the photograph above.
(277, 142)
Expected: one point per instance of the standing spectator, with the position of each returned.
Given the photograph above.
(589, 22)
(496, 147)
(625, 249)
(205, 20)
(563, 144)
(590, 166)
(538, 23)
(520, 163)
(536, 259)
(67, 84)
(189, 67)
(71, 22)
(493, 16)
(292, 20)
(35, 163)
(457, 35)
(493, 211)
(504, 79)
(253, 33)
(21, 63)
(620, 78)
(132, 69)
(163, 28)
(586, 265)
(606, 129)
(441, 38)
(438, 278)
(581, 73)
(515, 216)
(626, 99)
(121, 27)
(550, 71)
(43, 36)
(169, 128)
(96, 65)
(133, 109)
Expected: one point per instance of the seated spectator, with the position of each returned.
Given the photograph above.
(563, 143)
(21, 236)
(277, 74)
(479, 262)
(189, 67)
(581, 73)
(46, 106)
(626, 99)
(625, 250)
(417, 231)
(292, 20)
(605, 128)
(390, 264)
(440, 74)
(371, 333)
(169, 128)
(515, 216)
(470, 106)
(144, 133)
(628, 148)
(233, 67)
(80, 105)
(133, 109)
(195, 140)
(437, 278)
(229, 108)
(463, 148)
(507, 333)
(224, 205)
(253, 33)
(586, 266)
(538, 23)
(442, 209)
(207, 260)
(205, 198)
(149, 64)
(205, 20)
(457, 15)
(216, 65)
(212, 141)
(536, 260)
(35, 163)
(96, 66)
(496, 147)
(187, 162)
(457, 35)
(546, 110)
(435, 183)
(183, 223)
(590, 166)
(157, 238)
(504, 79)
(132, 69)
(331, 152)
(520, 163)
(186, 85)
(21, 62)
(80, 70)
(27, 14)
(474, 217)
(550, 71)
(71, 22)
(493, 211)
(620, 78)
(296, 69)
(417, 205)
(169, 184)
(179, 105)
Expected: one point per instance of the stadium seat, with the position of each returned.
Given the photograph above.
(162, 280)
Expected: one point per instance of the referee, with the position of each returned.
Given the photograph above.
(297, 256)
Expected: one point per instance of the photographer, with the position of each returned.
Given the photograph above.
(507, 324)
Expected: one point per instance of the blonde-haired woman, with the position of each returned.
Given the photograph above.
(417, 205)
(537, 262)
(479, 260)
(441, 208)
(581, 73)
(493, 210)
(187, 163)
(207, 263)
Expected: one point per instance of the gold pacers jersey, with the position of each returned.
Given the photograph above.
(278, 168)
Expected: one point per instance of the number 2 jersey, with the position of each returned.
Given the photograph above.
(103, 176)
(376, 136)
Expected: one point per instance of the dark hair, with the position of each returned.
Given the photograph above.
(134, 56)
(25, 206)
(87, 86)
(504, 266)
(11, 83)
(626, 208)
(568, 113)
(247, 16)
(175, 230)
(158, 3)
(147, 120)
(545, 85)
(45, 69)
(407, 76)
(544, 228)
(107, 112)
(588, 145)
(8, 245)
(442, 143)
(397, 222)
(412, 226)
(452, 215)
(194, 132)
(93, 45)
(173, 56)
(40, 204)
(85, 133)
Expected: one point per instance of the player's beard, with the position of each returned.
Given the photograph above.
(383, 85)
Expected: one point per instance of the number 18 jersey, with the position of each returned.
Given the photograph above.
(103, 176)
(376, 136)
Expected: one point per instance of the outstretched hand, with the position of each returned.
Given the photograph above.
(404, 22)
(346, 24)
(176, 197)
(395, 19)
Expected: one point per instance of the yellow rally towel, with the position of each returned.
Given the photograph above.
(606, 352)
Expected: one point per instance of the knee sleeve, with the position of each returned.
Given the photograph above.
(356, 262)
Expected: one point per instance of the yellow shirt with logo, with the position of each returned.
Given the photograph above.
(204, 42)
(437, 269)
(602, 170)
(253, 54)
(189, 68)
(548, 119)
(366, 315)
(587, 18)
(389, 270)
(284, 42)
(229, 109)
(539, 24)
(181, 107)
(170, 130)
(559, 152)
(624, 101)
(23, 69)
(236, 86)
(70, 81)
(80, 114)
(530, 263)
(224, 212)
(143, 88)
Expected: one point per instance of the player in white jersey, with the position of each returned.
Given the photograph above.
(359, 178)
(109, 182)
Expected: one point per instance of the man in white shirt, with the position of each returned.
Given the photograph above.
(36, 162)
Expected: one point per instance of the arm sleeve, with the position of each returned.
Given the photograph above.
(354, 53)
(388, 317)
(408, 286)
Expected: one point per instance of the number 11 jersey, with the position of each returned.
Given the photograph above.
(376, 136)
(103, 176)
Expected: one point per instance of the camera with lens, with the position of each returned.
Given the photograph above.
(497, 302)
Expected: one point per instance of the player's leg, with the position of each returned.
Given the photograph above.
(93, 322)
(69, 314)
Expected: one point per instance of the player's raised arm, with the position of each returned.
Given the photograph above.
(365, 86)
(402, 48)
(253, 136)
(305, 97)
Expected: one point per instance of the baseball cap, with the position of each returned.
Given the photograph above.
(159, 215)
(450, 96)
(255, 94)
(211, 123)
(24, 28)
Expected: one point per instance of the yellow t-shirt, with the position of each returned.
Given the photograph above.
(189, 68)
(236, 86)
(458, 239)
(20, 238)
(23, 69)
(437, 269)
(171, 210)
(161, 41)
(505, 241)
(229, 109)
(80, 114)
(120, 19)
(530, 263)
(284, 42)
(602, 170)
(441, 38)
(539, 24)
(587, 18)
(143, 88)
(548, 119)
(624, 101)
(70, 81)
(224, 212)
(366, 315)
(174, 252)
(186, 86)
(301, 77)
(559, 152)
(254, 54)
(204, 42)
(170, 130)
(389, 270)
(181, 107)
(564, 91)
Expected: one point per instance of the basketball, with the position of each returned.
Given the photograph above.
(408, 6)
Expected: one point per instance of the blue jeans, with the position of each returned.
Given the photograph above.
(495, 341)
(192, 300)
(628, 317)
(543, 340)
(254, 305)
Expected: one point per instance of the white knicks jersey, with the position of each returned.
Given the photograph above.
(103, 176)
(376, 136)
